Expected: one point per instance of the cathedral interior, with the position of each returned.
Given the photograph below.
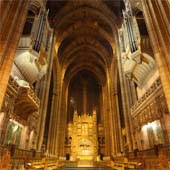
(84, 84)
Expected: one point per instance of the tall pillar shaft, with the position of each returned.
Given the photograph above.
(156, 15)
(44, 97)
(125, 103)
(62, 121)
(106, 121)
(13, 18)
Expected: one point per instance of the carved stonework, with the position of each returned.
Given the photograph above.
(150, 107)
(8, 104)
(84, 143)
(20, 99)
(32, 121)
(20, 106)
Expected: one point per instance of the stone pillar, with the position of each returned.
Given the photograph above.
(44, 97)
(156, 14)
(52, 144)
(125, 98)
(130, 98)
(57, 110)
(166, 126)
(108, 117)
(132, 92)
(53, 123)
(118, 147)
(2, 118)
(24, 138)
(62, 120)
(113, 117)
(111, 112)
(31, 139)
(117, 126)
(3, 127)
(13, 15)
(49, 148)
(53, 140)
(105, 123)
(119, 138)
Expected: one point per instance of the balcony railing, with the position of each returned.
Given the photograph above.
(152, 91)
(29, 92)
(25, 100)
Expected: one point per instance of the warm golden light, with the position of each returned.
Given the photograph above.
(84, 137)
(57, 44)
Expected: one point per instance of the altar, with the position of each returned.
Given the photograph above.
(84, 144)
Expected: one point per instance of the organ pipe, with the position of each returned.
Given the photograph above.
(39, 30)
(128, 22)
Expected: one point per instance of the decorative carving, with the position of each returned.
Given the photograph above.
(20, 100)
(32, 121)
(20, 105)
(150, 107)
(83, 131)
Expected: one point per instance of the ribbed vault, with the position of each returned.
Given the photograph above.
(85, 34)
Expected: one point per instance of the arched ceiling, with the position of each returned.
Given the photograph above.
(85, 33)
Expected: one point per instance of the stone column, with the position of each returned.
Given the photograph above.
(52, 144)
(130, 101)
(44, 97)
(57, 109)
(24, 138)
(115, 110)
(53, 123)
(125, 98)
(13, 15)
(119, 137)
(156, 14)
(109, 115)
(53, 130)
(106, 121)
(111, 119)
(116, 119)
(132, 92)
(4, 127)
(62, 121)
(2, 119)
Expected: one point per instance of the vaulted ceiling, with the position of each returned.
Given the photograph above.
(85, 34)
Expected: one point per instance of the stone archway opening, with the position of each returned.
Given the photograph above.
(84, 95)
